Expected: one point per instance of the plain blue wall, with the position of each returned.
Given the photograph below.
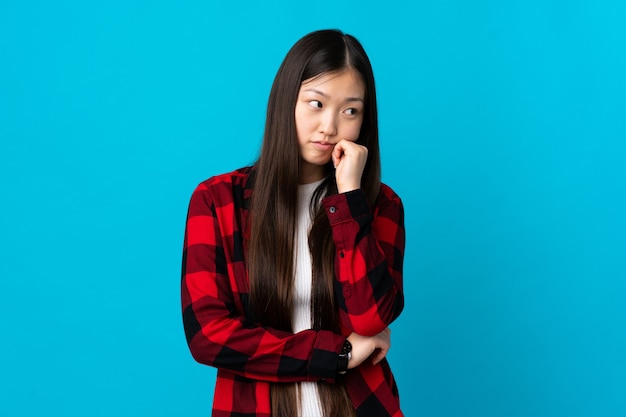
(503, 128)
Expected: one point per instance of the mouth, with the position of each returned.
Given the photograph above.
(323, 146)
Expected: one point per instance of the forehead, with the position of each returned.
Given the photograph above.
(339, 82)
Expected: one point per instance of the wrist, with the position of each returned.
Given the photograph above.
(347, 188)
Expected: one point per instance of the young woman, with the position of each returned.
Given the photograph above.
(292, 268)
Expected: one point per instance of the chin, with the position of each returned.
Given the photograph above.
(317, 161)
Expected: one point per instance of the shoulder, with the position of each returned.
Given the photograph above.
(230, 189)
(238, 177)
(389, 205)
(387, 194)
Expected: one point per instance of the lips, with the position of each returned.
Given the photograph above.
(323, 146)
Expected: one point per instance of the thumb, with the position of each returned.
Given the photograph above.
(380, 355)
(337, 153)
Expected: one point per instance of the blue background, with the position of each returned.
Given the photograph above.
(503, 128)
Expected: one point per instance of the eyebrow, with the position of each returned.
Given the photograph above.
(327, 96)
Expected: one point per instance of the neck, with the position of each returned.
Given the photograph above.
(311, 173)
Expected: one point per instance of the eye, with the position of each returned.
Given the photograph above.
(351, 111)
(315, 103)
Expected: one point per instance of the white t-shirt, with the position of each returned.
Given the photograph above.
(301, 315)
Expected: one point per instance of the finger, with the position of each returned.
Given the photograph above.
(386, 334)
(351, 148)
(338, 151)
(380, 355)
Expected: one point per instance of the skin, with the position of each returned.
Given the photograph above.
(329, 114)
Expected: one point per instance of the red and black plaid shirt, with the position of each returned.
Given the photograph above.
(248, 356)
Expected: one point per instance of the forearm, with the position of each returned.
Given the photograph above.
(258, 352)
(369, 256)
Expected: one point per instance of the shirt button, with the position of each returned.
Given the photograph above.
(341, 254)
(332, 210)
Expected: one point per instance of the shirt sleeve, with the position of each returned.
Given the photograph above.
(217, 332)
(369, 258)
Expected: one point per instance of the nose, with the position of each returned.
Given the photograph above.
(328, 124)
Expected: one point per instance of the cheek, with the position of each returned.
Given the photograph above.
(303, 129)
(351, 131)
(300, 125)
(304, 122)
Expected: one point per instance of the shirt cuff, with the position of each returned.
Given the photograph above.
(324, 358)
(346, 206)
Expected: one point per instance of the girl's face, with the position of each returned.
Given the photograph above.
(329, 108)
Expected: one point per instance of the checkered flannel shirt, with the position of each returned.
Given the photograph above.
(215, 293)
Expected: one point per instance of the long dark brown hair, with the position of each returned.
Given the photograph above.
(273, 208)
